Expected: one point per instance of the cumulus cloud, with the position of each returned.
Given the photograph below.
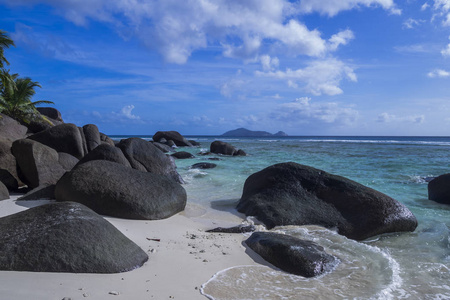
(438, 73)
(304, 110)
(442, 9)
(333, 7)
(269, 63)
(446, 51)
(411, 23)
(126, 113)
(341, 38)
(318, 77)
(388, 118)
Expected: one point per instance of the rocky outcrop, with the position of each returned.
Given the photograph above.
(294, 194)
(182, 155)
(4, 193)
(10, 129)
(38, 163)
(8, 166)
(92, 136)
(296, 256)
(106, 139)
(67, 161)
(224, 148)
(143, 156)
(65, 237)
(175, 136)
(106, 152)
(163, 147)
(51, 113)
(439, 189)
(115, 190)
(63, 138)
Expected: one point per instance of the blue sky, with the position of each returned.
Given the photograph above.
(308, 67)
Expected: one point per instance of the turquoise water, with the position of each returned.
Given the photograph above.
(396, 266)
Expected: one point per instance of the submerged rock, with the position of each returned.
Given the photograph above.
(294, 194)
(65, 237)
(439, 189)
(203, 165)
(182, 155)
(115, 190)
(290, 254)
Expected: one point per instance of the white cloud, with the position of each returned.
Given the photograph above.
(319, 77)
(341, 38)
(438, 73)
(424, 6)
(411, 23)
(333, 7)
(125, 113)
(415, 48)
(268, 63)
(443, 10)
(389, 118)
(303, 110)
(446, 51)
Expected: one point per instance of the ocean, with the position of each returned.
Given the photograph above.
(412, 265)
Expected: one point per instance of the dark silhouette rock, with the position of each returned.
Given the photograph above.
(4, 193)
(235, 229)
(194, 143)
(294, 194)
(290, 254)
(182, 155)
(8, 166)
(65, 237)
(10, 129)
(175, 136)
(224, 148)
(63, 138)
(439, 189)
(38, 163)
(163, 147)
(51, 113)
(144, 156)
(83, 141)
(203, 165)
(106, 139)
(67, 161)
(43, 192)
(115, 190)
(92, 136)
(36, 126)
(106, 152)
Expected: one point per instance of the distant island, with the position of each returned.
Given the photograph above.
(242, 132)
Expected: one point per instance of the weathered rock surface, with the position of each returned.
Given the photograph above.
(106, 139)
(38, 163)
(439, 189)
(144, 156)
(175, 136)
(51, 113)
(203, 165)
(43, 192)
(163, 147)
(115, 190)
(182, 155)
(294, 194)
(291, 254)
(65, 237)
(8, 166)
(63, 138)
(10, 129)
(67, 161)
(4, 193)
(106, 152)
(224, 148)
(92, 136)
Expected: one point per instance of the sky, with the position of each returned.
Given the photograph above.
(203, 67)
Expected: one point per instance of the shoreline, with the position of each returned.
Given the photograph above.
(184, 258)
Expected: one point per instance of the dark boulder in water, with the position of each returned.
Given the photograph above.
(65, 237)
(439, 189)
(203, 165)
(224, 148)
(115, 190)
(175, 136)
(290, 254)
(182, 155)
(294, 194)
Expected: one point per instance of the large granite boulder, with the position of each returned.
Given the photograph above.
(63, 138)
(294, 194)
(4, 193)
(92, 136)
(224, 148)
(175, 136)
(8, 166)
(65, 237)
(106, 152)
(115, 190)
(106, 139)
(67, 161)
(163, 147)
(51, 112)
(38, 163)
(144, 156)
(290, 254)
(439, 189)
(10, 129)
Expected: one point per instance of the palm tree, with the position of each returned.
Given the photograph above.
(5, 42)
(15, 98)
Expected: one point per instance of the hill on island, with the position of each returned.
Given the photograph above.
(242, 132)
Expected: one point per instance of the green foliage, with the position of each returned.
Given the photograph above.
(5, 42)
(15, 98)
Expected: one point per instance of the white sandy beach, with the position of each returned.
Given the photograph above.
(179, 263)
